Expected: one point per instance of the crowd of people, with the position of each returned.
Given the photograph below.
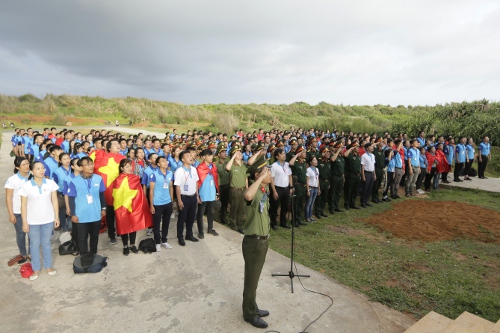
(197, 174)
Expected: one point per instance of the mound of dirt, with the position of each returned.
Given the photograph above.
(430, 221)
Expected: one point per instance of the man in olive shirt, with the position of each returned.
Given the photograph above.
(299, 170)
(223, 182)
(293, 148)
(324, 182)
(352, 175)
(379, 168)
(238, 183)
(337, 169)
(255, 242)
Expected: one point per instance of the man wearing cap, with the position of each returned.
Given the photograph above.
(312, 149)
(292, 145)
(255, 241)
(367, 174)
(299, 171)
(352, 175)
(337, 171)
(281, 188)
(379, 154)
(223, 182)
(324, 182)
(238, 184)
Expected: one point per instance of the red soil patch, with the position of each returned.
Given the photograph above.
(431, 221)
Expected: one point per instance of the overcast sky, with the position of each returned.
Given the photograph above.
(272, 51)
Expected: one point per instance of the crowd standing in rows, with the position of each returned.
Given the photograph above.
(55, 184)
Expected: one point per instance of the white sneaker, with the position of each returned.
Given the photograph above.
(166, 245)
(158, 247)
(149, 232)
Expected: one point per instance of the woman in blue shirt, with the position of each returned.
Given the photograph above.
(423, 169)
(390, 162)
(59, 175)
(470, 151)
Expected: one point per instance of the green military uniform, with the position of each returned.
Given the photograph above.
(237, 186)
(379, 172)
(352, 179)
(311, 152)
(338, 170)
(299, 170)
(223, 190)
(324, 184)
(254, 246)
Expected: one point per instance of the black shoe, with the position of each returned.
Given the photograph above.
(285, 226)
(112, 241)
(201, 236)
(134, 249)
(192, 239)
(339, 210)
(263, 313)
(397, 197)
(331, 212)
(368, 204)
(376, 201)
(274, 227)
(456, 180)
(302, 223)
(446, 182)
(240, 231)
(182, 242)
(213, 232)
(467, 179)
(460, 180)
(257, 322)
(363, 205)
(355, 207)
(346, 207)
(126, 251)
(324, 215)
(318, 216)
(386, 199)
(297, 225)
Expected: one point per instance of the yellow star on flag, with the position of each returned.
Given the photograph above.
(124, 195)
(110, 170)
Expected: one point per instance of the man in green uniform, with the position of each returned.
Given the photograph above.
(352, 175)
(324, 182)
(313, 145)
(293, 148)
(223, 182)
(299, 170)
(337, 184)
(238, 183)
(379, 168)
(255, 242)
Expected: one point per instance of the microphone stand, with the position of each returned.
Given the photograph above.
(291, 274)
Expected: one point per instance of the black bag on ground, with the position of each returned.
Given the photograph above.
(147, 245)
(89, 263)
(472, 172)
(68, 247)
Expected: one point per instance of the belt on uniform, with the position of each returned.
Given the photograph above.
(368, 171)
(313, 187)
(60, 194)
(238, 188)
(300, 184)
(223, 184)
(189, 196)
(258, 237)
(416, 167)
(281, 187)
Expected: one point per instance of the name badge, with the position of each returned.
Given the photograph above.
(90, 200)
(261, 206)
(186, 188)
(212, 182)
(165, 186)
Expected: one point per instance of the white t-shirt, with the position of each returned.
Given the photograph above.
(312, 177)
(280, 174)
(368, 161)
(15, 182)
(186, 180)
(40, 209)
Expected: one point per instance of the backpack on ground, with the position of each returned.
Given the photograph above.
(472, 172)
(147, 245)
(89, 263)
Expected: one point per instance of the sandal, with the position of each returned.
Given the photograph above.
(15, 259)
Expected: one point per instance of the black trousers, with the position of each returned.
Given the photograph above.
(421, 177)
(162, 212)
(224, 202)
(367, 190)
(429, 177)
(283, 198)
(187, 216)
(481, 166)
(378, 182)
(390, 182)
(126, 237)
(205, 207)
(86, 231)
(468, 166)
(458, 169)
(110, 221)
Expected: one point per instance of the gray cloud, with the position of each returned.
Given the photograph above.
(278, 51)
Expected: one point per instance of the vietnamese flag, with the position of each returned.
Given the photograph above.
(131, 207)
(106, 165)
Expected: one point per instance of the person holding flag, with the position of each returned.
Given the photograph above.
(130, 205)
(208, 187)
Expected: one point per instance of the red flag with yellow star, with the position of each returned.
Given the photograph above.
(131, 207)
(106, 165)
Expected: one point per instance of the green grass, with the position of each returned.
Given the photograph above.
(448, 277)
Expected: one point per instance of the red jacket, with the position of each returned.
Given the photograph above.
(443, 165)
(204, 170)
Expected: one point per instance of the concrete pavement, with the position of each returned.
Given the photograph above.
(196, 288)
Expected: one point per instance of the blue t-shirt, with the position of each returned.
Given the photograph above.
(246, 156)
(207, 190)
(421, 141)
(449, 153)
(391, 164)
(423, 161)
(65, 146)
(406, 152)
(124, 152)
(34, 150)
(470, 152)
(66, 183)
(173, 164)
(398, 161)
(59, 175)
(145, 175)
(80, 155)
(414, 157)
(50, 166)
(484, 148)
(162, 186)
(460, 150)
(81, 189)
(27, 142)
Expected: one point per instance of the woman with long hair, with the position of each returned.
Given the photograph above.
(13, 200)
(61, 173)
(40, 213)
